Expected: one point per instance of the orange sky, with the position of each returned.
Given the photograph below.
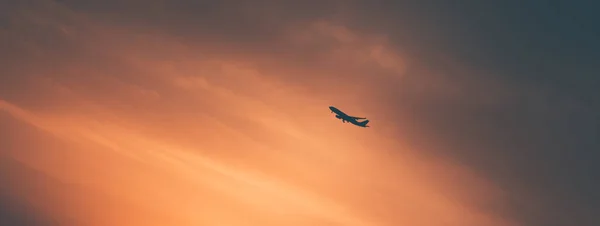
(140, 127)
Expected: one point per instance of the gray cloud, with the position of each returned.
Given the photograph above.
(15, 207)
(518, 102)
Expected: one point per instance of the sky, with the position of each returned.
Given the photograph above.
(201, 112)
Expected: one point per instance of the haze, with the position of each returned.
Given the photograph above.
(196, 113)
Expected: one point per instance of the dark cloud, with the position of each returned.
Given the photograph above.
(15, 207)
(14, 212)
(518, 102)
(249, 23)
(538, 141)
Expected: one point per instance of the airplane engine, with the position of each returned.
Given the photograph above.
(340, 117)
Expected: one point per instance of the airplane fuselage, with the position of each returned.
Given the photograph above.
(346, 118)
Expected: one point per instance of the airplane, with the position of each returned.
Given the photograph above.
(346, 118)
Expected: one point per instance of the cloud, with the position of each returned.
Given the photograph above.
(197, 112)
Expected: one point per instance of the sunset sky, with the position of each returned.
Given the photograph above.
(194, 112)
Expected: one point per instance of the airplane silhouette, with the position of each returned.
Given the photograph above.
(346, 118)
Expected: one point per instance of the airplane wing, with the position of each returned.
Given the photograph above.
(357, 117)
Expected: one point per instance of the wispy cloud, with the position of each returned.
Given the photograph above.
(188, 131)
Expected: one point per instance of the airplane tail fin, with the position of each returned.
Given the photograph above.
(364, 123)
